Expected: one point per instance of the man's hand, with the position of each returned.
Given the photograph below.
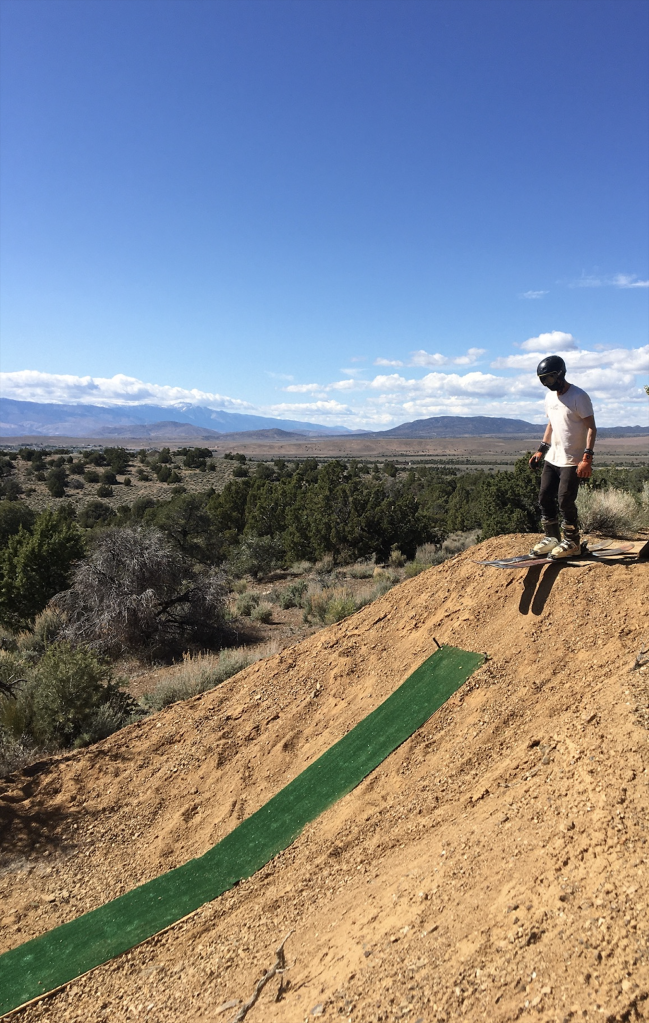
(585, 467)
(536, 458)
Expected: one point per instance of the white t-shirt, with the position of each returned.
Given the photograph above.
(566, 413)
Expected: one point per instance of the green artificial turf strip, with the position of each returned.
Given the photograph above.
(60, 955)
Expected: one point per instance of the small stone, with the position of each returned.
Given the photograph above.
(317, 1010)
(227, 1005)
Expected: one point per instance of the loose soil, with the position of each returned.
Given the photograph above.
(494, 867)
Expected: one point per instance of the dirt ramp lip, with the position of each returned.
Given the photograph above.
(50, 961)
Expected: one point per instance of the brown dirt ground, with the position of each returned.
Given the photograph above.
(494, 867)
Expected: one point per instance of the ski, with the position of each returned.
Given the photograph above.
(578, 559)
(526, 558)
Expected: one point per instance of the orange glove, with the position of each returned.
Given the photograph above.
(585, 467)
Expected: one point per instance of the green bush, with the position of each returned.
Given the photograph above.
(609, 512)
(329, 606)
(246, 604)
(95, 513)
(13, 515)
(69, 698)
(35, 566)
(55, 481)
(201, 673)
(256, 556)
(263, 613)
(103, 490)
(292, 595)
(413, 568)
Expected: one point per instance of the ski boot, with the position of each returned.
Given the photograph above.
(570, 546)
(549, 541)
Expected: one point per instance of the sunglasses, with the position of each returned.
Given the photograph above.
(549, 378)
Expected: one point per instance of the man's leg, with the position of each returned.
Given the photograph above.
(550, 481)
(568, 488)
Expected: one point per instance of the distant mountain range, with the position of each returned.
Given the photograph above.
(25, 418)
(194, 422)
(462, 426)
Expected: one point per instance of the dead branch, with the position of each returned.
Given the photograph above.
(278, 967)
(8, 685)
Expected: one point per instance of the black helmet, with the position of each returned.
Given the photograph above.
(552, 372)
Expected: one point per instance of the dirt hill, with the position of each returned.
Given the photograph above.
(494, 867)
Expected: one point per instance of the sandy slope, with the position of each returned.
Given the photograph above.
(494, 867)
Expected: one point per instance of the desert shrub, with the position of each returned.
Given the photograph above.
(202, 672)
(257, 556)
(301, 568)
(118, 459)
(104, 490)
(13, 515)
(292, 595)
(263, 612)
(127, 481)
(362, 570)
(95, 513)
(136, 592)
(10, 490)
(413, 568)
(609, 512)
(142, 475)
(246, 604)
(35, 566)
(55, 481)
(92, 476)
(340, 605)
(68, 698)
(47, 626)
(396, 559)
(325, 566)
(94, 457)
(455, 543)
(329, 605)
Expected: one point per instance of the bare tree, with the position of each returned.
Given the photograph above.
(136, 592)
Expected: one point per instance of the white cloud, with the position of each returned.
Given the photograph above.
(302, 388)
(317, 408)
(279, 376)
(534, 294)
(628, 281)
(423, 358)
(587, 281)
(471, 356)
(388, 362)
(552, 341)
(623, 360)
(616, 281)
(31, 385)
(509, 388)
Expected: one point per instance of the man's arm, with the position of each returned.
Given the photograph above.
(592, 432)
(585, 467)
(543, 447)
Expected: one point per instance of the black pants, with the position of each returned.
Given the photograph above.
(559, 486)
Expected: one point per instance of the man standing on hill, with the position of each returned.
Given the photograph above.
(567, 447)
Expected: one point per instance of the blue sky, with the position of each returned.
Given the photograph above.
(354, 213)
